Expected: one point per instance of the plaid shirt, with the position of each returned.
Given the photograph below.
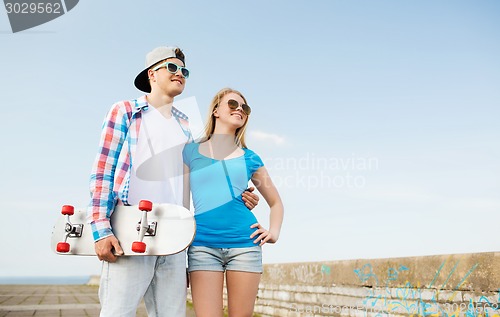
(110, 178)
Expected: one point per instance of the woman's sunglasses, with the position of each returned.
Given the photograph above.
(233, 105)
(173, 68)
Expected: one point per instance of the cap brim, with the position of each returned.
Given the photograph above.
(141, 82)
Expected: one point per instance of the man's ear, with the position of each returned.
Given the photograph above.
(151, 75)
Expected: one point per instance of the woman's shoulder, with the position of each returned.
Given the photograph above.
(190, 149)
(249, 152)
(192, 145)
(253, 157)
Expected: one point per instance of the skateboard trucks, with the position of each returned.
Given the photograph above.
(72, 230)
(144, 228)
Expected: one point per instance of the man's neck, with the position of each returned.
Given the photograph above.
(162, 103)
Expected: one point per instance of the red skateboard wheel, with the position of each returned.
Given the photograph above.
(62, 247)
(139, 247)
(145, 205)
(68, 210)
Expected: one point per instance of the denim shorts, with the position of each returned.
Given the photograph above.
(230, 259)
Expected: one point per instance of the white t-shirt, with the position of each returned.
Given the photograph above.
(157, 165)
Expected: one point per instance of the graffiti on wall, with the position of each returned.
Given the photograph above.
(303, 273)
(414, 300)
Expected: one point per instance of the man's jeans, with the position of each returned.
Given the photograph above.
(161, 280)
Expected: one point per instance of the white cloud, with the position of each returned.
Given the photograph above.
(276, 139)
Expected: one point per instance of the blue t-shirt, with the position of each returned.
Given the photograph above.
(222, 219)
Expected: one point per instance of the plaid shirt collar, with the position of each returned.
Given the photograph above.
(141, 104)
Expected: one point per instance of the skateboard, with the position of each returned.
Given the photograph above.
(144, 229)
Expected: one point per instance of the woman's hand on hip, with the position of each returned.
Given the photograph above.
(263, 235)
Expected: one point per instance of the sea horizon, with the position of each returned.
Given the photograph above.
(42, 280)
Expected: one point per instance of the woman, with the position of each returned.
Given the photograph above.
(228, 237)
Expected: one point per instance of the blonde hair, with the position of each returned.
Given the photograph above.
(239, 137)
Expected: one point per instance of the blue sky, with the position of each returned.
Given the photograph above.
(378, 120)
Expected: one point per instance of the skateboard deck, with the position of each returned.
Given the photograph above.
(170, 229)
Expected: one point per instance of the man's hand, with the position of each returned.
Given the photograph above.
(251, 200)
(108, 249)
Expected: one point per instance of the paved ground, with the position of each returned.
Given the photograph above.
(54, 300)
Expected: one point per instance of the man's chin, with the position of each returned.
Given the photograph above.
(177, 92)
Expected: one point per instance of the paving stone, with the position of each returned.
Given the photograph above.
(54, 301)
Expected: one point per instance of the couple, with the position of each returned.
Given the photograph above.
(216, 170)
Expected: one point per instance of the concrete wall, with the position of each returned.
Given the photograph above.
(446, 285)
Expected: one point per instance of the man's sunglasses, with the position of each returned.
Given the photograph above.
(233, 105)
(173, 68)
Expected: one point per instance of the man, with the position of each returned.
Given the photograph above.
(140, 157)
